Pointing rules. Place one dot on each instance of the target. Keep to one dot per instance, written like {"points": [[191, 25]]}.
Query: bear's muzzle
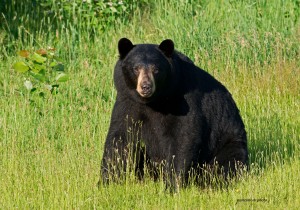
{"points": [[145, 84]]}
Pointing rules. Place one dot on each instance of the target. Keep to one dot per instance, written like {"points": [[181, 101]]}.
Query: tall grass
{"points": [[50, 154]]}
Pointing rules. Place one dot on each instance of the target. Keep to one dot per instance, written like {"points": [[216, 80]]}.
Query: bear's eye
{"points": [[155, 71], [136, 70]]}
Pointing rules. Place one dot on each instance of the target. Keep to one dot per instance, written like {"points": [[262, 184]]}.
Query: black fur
{"points": [[190, 121]]}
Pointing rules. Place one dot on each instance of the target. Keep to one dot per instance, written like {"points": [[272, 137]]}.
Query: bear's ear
{"points": [[167, 46], [124, 46]]}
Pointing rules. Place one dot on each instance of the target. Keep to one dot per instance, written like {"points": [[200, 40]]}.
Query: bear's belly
{"points": [[169, 138]]}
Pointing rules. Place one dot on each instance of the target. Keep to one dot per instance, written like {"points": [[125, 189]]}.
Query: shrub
{"points": [[43, 71]]}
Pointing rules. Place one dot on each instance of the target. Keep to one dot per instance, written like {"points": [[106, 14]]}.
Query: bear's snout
{"points": [[146, 87], [145, 84]]}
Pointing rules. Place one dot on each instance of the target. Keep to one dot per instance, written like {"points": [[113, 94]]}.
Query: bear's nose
{"points": [[146, 87]]}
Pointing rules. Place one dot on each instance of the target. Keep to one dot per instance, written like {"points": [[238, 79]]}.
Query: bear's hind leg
{"points": [[230, 160]]}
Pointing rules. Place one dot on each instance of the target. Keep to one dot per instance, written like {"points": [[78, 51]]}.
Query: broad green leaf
{"points": [[24, 53], [52, 64], [59, 67], [38, 58], [38, 77], [21, 67], [62, 77], [38, 67], [30, 64], [42, 72]]}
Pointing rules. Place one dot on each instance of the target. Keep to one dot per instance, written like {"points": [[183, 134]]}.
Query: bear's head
{"points": [[146, 68]]}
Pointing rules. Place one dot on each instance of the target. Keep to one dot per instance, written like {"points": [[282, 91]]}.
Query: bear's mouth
{"points": [[145, 90], [146, 94]]}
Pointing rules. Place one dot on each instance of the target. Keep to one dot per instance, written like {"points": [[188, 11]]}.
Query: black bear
{"points": [[172, 114]]}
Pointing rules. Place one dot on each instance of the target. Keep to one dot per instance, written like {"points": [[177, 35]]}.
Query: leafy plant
{"points": [[95, 13], [43, 70]]}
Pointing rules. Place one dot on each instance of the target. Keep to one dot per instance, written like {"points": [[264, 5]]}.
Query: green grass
{"points": [[50, 153]]}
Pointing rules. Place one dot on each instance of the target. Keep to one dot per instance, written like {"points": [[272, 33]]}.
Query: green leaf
{"points": [[62, 78], [38, 58], [38, 77], [21, 67], [59, 67], [52, 64], [38, 67], [42, 72]]}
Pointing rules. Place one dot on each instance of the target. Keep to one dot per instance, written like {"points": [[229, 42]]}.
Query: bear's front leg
{"points": [[122, 150], [175, 171], [119, 158], [178, 164], [114, 159], [171, 176]]}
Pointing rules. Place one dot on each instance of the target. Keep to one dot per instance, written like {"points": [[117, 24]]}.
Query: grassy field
{"points": [[50, 152]]}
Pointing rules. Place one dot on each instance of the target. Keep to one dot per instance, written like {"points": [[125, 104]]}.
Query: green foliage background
{"points": [[50, 150]]}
